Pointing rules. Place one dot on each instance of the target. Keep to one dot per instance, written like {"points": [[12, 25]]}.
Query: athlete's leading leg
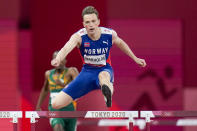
{"points": [[106, 86]]}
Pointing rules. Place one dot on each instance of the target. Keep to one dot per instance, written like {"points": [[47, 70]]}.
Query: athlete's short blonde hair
{"points": [[90, 10]]}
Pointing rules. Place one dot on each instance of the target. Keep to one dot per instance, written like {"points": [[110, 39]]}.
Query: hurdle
{"points": [[130, 115], [140, 123], [133, 118], [12, 114], [168, 114]]}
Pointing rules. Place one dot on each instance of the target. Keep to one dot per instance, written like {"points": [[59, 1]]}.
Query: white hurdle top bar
{"points": [[154, 114], [82, 114]]}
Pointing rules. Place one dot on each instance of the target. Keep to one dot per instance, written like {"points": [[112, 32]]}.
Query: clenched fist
{"points": [[55, 62]]}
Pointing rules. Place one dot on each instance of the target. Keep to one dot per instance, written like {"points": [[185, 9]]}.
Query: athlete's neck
{"points": [[59, 70], [96, 35]]}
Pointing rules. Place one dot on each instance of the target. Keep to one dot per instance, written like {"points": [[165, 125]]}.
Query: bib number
{"points": [[96, 60]]}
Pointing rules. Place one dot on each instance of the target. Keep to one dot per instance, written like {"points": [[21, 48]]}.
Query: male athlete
{"points": [[94, 43], [55, 80]]}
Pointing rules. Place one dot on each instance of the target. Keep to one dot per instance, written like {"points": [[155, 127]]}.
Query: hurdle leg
{"points": [[131, 122], [33, 122], [130, 126], [147, 115], [147, 122], [14, 126], [32, 115], [15, 117], [33, 126], [147, 126]]}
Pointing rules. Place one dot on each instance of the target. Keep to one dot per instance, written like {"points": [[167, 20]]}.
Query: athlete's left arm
{"points": [[73, 72], [125, 48]]}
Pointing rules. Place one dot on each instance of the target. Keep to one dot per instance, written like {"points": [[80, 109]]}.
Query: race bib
{"points": [[95, 59]]}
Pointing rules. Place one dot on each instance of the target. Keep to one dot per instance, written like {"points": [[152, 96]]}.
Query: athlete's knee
{"points": [[104, 75], [55, 104], [61, 100]]}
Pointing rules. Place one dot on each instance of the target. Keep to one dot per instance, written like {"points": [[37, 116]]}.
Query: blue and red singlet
{"points": [[96, 58]]}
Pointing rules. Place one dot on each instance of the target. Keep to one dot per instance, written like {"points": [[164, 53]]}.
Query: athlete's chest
{"points": [[97, 47]]}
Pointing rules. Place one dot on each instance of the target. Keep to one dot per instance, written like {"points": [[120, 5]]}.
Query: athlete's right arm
{"points": [[74, 40], [44, 92]]}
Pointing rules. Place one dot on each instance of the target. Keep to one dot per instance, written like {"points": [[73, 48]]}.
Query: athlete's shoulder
{"points": [[82, 32], [105, 30], [47, 73]]}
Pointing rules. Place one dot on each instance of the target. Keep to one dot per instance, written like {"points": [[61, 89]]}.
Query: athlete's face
{"points": [[91, 23]]}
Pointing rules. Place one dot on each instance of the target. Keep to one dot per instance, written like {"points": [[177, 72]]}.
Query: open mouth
{"points": [[91, 29]]}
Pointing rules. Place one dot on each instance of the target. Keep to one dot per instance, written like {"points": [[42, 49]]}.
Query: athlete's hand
{"points": [[140, 62], [55, 62]]}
